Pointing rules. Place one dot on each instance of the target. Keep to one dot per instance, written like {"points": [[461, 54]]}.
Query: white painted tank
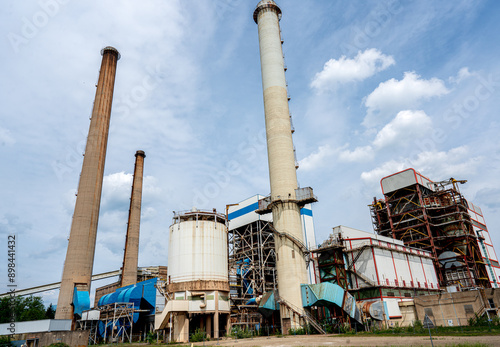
{"points": [[198, 247]]}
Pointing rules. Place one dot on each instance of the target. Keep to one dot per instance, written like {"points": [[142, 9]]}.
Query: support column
{"points": [[216, 315]]}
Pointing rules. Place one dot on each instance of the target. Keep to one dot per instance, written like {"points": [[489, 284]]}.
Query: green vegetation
{"points": [[198, 336], [477, 326], [239, 333], [25, 308], [150, 337], [307, 330], [5, 341], [58, 344]]}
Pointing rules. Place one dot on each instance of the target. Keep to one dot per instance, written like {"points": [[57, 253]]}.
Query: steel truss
{"points": [[119, 318], [436, 221], [252, 268]]}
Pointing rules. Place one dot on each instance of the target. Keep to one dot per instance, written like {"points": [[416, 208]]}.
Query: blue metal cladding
{"points": [[243, 211], [268, 304], [322, 294], [81, 301], [142, 294], [326, 294], [306, 212]]}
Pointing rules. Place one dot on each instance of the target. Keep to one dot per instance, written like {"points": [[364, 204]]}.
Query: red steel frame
{"points": [[433, 220]]}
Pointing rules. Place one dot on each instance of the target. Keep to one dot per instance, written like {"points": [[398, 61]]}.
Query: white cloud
{"points": [[5, 137], [437, 165], [393, 95], [362, 154], [383, 170], [316, 159], [344, 70], [463, 73], [406, 126]]}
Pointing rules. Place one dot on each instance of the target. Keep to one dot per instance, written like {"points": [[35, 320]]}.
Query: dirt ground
{"points": [[336, 340]]}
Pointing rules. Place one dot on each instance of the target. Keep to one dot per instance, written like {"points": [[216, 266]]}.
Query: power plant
{"points": [[258, 267]]}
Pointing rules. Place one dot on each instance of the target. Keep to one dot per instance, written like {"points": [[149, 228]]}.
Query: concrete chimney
{"points": [[291, 264], [77, 271], [131, 256]]}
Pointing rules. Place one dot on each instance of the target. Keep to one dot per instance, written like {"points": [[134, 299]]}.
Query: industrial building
{"points": [[434, 216], [252, 257], [258, 264], [378, 271], [197, 289]]}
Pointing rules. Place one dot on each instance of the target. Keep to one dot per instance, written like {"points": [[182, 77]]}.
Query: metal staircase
{"points": [[303, 314]]}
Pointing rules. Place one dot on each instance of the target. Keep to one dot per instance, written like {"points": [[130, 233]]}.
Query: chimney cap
{"points": [[141, 153], [266, 4], [112, 49]]}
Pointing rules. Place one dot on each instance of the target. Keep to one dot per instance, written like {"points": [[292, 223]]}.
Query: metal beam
{"points": [[51, 286]]}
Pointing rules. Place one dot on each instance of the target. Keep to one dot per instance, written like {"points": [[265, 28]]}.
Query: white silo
{"points": [[197, 285]]}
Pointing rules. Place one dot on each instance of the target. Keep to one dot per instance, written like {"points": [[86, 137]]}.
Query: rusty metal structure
{"points": [[330, 266], [131, 254], [433, 216], [77, 271]]}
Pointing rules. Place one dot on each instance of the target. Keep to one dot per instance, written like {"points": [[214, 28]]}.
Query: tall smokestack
{"points": [[291, 265], [77, 271], [131, 256]]}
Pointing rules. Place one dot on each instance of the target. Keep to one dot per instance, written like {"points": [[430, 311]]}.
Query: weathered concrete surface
{"points": [[290, 262], [131, 254], [80, 254]]}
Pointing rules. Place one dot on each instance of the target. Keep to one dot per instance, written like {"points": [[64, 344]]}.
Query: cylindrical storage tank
{"points": [[198, 247]]}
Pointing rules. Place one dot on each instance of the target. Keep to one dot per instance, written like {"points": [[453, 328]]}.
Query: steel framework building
{"points": [[374, 269], [434, 216], [252, 256], [252, 264]]}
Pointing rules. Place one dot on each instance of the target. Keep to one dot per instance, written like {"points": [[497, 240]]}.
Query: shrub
{"points": [[239, 333], [150, 337], [198, 336]]}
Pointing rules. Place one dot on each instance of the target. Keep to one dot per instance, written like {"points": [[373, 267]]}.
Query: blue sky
{"points": [[375, 86]]}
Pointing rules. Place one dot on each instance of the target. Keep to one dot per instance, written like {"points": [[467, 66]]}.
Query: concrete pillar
{"points": [[228, 324], [181, 328], [208, 326], [216, 315], [291, 264], [131, 255], [80, 254]]}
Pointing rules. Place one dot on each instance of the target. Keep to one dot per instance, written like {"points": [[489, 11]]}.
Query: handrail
{"points": [[304, 314]]}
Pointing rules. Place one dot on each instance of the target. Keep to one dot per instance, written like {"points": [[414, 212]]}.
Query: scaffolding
{"points": [[252, 269], [433, 216], [90, 321], [118, 319]]}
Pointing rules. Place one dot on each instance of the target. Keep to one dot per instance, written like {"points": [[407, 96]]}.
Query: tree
{"points": [[50, 313], [26, 309]]}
